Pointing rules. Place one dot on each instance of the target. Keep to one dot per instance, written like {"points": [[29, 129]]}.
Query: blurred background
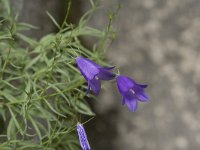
{"points": [[157, 43]]}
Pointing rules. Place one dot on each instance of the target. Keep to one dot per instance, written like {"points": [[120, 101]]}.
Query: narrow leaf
{"points": [[52, 18]]}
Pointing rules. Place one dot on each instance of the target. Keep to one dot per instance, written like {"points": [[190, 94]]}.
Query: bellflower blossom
{"points": [[83, 137], [131, 92], [94, 73]]}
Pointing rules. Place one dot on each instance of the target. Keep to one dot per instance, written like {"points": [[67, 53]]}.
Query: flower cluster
{"points": [[131, 91], [93, 73]]}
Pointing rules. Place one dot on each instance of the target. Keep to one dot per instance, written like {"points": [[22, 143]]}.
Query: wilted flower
{"points": [[94, 73], [83, 137], [131, 92]]}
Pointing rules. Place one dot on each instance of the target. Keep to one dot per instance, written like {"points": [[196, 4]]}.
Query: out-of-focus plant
{"points": [[42, 93]]}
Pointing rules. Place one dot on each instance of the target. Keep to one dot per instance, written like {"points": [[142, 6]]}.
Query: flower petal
{"points": [[95, 84], [124, 84], [87, 67], [123, 101], [140, 93], [109, 68], [131, 103], [104, 74], [88, 89], [143, 97], [89, 61], [142, 85], [130, 100]]}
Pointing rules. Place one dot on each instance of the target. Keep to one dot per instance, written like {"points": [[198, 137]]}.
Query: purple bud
{"points": [[83, 137]]}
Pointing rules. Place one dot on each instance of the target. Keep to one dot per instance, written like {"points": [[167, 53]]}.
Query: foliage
{"points": [[42, 94]]}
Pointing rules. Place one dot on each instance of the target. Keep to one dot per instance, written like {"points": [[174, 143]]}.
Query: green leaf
{"points": [[32, 62], [52, 18], [25, 26], [7, 6], [83, 108], [59, 91], [35, 126], [27, 39], [8, 96], [56, 112], [11, 130], [15, 121], [10, 85]]}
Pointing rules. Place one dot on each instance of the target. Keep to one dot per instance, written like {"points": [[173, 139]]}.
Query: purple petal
{"points": [[105, 74], [89, 61], [129, 95], [140, 93], [124, 84], [131, 103], [142, 85], [88, 89], [143, 97], [87, 67], [95, 84], [123, 101], [130, 100], [109, 68]]}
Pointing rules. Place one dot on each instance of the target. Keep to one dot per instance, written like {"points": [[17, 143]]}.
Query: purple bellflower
{"points": [[94, 73], [131, 92], [83, 137]]}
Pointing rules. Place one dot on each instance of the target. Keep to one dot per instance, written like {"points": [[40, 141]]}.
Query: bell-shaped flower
{"points": [[94, 73], [131, 92]]}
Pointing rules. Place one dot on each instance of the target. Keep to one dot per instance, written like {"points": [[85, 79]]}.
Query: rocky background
{"points": [[158, 43]]}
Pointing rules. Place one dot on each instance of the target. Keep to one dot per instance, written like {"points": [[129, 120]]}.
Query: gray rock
{"points": [[158, 44]]}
